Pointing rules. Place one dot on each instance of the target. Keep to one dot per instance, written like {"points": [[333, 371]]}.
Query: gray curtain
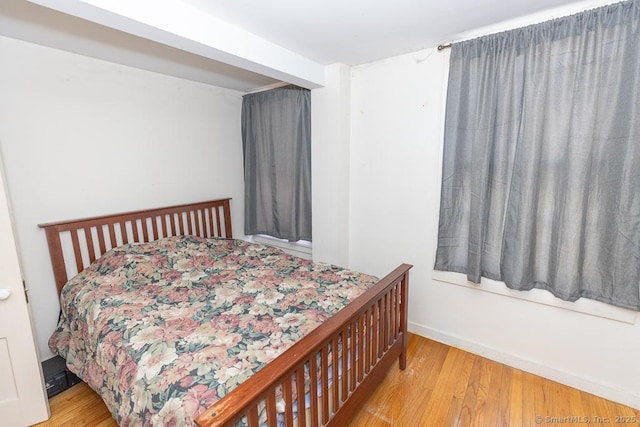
{"points": [[276, 138], [541, 168]]}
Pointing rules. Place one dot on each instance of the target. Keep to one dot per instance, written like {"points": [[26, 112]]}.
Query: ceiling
{"points": [[360, 31], [249, 44]]}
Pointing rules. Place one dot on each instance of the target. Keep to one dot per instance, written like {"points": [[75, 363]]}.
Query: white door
{"points": [[23, 400]]}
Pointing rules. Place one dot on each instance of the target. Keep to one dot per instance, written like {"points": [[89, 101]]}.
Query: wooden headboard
{"points": [[80, 242]]}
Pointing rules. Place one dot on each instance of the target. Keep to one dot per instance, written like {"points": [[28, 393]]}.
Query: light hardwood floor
{"points": [[442, 386]]}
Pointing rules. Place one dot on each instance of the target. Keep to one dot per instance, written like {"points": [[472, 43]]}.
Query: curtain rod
{"points": [[444, 46], [268, 87]]}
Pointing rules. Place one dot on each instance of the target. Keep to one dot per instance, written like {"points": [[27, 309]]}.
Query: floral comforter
{"points": [[162, 330]]}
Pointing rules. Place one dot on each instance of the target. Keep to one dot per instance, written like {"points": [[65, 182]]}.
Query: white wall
{"points": [[330, 135], [396, 143], [83, 137]]}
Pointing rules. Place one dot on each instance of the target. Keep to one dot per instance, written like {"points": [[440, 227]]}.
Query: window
{"points": [[542, 147], [276, 137]]}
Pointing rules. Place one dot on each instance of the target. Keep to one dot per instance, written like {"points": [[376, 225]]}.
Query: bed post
{"points": [[57, 257], [227, 219], [404, 289]]}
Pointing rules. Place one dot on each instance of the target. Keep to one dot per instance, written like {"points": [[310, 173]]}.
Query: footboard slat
{"points": [[301, 391], [272, 420], [324, 369], [361, 335], [288, 402], [355, 347], [367, 338], [346, 358], [335, 355], [344, 361], [252, 417], [375, 318], [313, 384]]}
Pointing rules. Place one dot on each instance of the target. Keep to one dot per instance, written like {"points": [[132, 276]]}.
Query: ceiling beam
{"points": [[184, 27]]}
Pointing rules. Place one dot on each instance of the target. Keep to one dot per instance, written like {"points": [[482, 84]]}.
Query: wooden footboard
{"points": [[374, 328]]}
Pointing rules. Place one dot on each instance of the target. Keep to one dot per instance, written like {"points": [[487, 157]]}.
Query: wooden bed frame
{"points": [[374, 325]]}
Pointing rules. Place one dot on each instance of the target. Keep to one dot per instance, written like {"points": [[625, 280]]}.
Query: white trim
{"points": [[626, 397], [583, 305]]}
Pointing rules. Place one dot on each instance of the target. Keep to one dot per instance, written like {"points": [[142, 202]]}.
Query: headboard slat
{"points": [[101, 242], [218, 221], [196, 215], [163, 222], [154, 227], [210, 221], [144, 223], [181, 227], [112, 236], [89, 239], [60, 257], [77, 252], [122, 233], [192, 226], [134, 229], [172, 224]]}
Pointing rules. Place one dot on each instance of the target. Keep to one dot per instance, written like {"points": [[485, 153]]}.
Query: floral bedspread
{"points": [[162, 330]]}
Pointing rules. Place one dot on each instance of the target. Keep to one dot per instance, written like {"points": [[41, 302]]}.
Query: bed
{"points": [[309, 354]]}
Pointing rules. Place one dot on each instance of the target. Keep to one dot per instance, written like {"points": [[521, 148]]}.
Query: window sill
{"points": [[583, 305], [302, 248]]}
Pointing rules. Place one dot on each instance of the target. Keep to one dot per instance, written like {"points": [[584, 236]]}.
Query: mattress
{"points": [[162, 330]]}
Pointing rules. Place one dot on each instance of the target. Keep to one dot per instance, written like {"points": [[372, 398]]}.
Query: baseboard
{"points": [[606, 391]]}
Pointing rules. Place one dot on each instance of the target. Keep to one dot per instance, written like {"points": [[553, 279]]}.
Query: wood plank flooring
{"points": [[446, 386], [442, 386]]}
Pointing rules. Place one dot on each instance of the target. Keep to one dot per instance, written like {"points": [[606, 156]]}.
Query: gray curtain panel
{"points": [[276, 138], [541, 168]]}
